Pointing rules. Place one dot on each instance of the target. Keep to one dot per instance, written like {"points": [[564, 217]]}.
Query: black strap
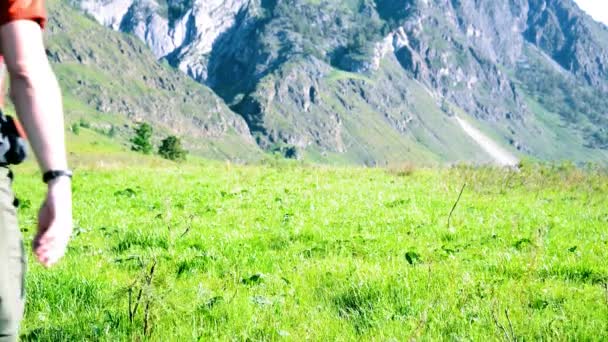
{"points": [[52, 174]]}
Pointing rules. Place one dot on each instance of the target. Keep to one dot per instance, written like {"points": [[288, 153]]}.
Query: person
{"points": [[35, 93]]}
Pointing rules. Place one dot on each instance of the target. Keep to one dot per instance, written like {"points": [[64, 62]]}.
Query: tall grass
{"points": [[285, 251]]}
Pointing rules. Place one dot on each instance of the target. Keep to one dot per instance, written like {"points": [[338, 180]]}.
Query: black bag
{"points": [[13, 149]]}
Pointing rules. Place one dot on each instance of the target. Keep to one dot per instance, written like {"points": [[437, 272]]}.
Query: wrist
{"points": [[58, 181]]}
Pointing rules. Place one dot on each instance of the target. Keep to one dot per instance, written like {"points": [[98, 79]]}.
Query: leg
{"points": [[12, 264]]}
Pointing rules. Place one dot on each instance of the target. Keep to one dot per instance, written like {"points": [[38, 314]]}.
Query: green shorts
{"points": [[12, 263]]}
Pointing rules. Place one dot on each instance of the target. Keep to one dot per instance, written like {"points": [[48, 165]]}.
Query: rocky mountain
{"points": [[111, 81], [381, 81]]}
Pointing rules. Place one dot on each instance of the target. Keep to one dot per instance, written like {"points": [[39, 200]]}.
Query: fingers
{"points": [[50, 258], [49, 253], [54, 225], [51, 246]]}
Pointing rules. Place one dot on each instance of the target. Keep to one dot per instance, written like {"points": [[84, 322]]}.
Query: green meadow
{"points": [[206, 250]]}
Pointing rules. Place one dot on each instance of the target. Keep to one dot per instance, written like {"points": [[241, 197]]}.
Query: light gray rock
{"points": [[188, 39]]}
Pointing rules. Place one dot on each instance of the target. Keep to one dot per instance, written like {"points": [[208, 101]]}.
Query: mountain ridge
{"points": [[301, 72]]}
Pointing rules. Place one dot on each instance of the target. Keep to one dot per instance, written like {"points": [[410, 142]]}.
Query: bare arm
{"points": [[37, 99], [35, 92]]}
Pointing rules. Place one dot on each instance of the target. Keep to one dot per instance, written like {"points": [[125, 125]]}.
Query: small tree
{"points": [[142, 139], [171, 148], [84, 123], [75, 128]]}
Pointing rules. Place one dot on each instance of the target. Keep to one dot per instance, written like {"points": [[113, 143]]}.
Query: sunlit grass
{"points": [[289, 251]]}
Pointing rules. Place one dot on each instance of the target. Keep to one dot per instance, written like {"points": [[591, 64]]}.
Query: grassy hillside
{"points": [[285, 251], [356, 118]]}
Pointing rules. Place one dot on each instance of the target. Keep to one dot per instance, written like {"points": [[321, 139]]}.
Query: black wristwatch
{"points": [[53, 174]]}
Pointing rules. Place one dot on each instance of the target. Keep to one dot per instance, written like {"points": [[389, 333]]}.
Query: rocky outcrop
{"points": [[571, 38], [183, 35]]}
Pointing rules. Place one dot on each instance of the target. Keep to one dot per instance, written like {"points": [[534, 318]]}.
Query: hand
{"points": [[54, 223]]}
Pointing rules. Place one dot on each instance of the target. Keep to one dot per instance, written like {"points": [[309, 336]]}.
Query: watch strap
{"points": [[53, 174]]}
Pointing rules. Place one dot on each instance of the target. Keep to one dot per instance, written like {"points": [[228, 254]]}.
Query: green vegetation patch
{"points": [[208, 250]]}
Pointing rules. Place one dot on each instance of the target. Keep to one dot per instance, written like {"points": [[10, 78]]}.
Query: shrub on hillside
{"points": [[171, 148], [75, 128], [84, 123], [142, 142]]}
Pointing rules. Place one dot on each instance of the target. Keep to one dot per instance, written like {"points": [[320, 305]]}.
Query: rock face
{"points": [[326, 77], [114, 80], [182, 31], [563, 32]]}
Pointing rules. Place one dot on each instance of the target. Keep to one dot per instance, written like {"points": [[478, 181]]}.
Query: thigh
{"points": [[12, 264]]}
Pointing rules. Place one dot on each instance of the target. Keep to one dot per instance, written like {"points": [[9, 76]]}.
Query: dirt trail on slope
{"points": [[500, 155]]}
